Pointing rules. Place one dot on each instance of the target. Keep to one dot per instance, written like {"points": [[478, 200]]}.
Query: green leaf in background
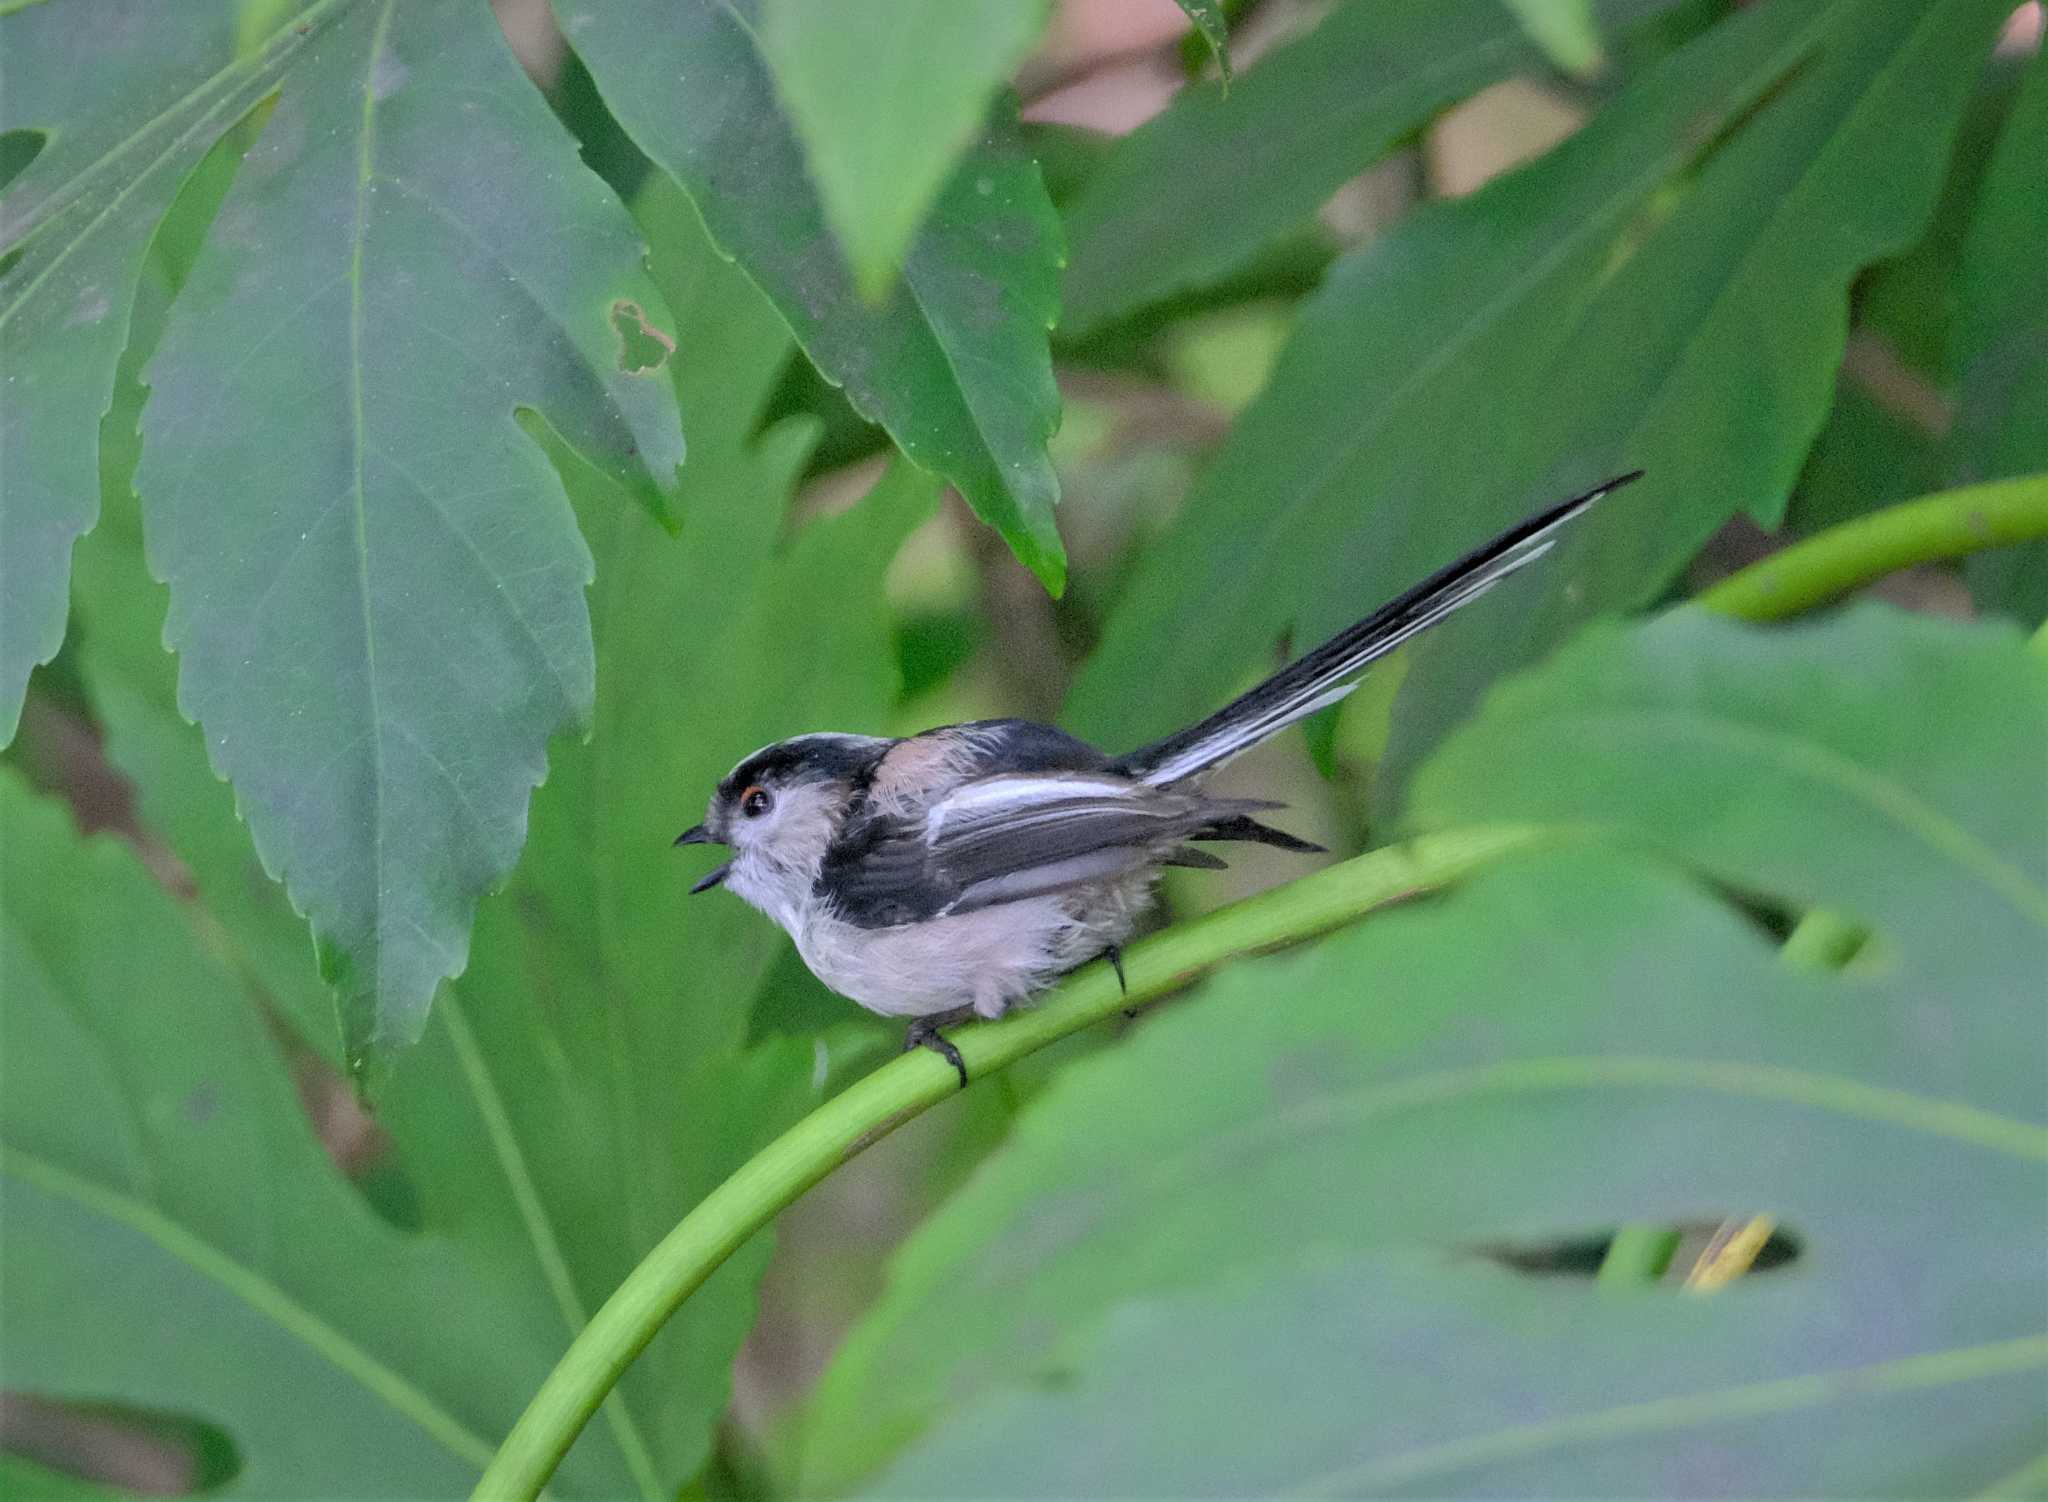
{"points": [[1306, 118], [2001, 339], [176, 1239], [589, 1080], [1885, 440], [1291, 1194], [1566, 30], [885, 96], [380, 623], [1212, 25], [117, 138], [1710, 357], [1315, 112], [1873, 452], [954, 363], [1665, 290], [1424, 333]]}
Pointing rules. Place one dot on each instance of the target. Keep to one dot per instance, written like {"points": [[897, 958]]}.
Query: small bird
{"points": [[955, 873]]}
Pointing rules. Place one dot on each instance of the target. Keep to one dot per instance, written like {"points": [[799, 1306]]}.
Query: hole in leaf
{"points": [[17, 149], [1649, 1255], [642, 346], [1565, 1257], [1772, 919], [139, 1450]]}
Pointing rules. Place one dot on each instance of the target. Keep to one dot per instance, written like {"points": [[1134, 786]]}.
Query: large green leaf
{"points": [[2001, 337], [954, 361], [1664, 290], [1456, 1412], [117, 137], [1249, 1252], [936, 63], [376, 585], [1730, 747], [1288, 132], [584, 1083], [177, 1241]]}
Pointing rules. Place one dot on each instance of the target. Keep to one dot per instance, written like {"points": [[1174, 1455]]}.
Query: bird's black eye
{"points": [[755, 801]]}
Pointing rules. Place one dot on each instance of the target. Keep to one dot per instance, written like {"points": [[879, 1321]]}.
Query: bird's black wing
{"points": [[1011, 836]]}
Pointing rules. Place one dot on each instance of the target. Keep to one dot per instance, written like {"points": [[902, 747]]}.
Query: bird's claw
{"points": [[924, 1033], [1115, 956]]}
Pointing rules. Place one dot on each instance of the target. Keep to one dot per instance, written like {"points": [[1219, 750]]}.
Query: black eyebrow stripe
{"points": [[824, 757]]}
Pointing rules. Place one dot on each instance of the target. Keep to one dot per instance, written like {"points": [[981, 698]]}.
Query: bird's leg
{"points": [[1115, 955], [924, 1033]]}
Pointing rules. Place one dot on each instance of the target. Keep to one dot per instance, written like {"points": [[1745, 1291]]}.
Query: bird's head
{"points": [[778, 811]]}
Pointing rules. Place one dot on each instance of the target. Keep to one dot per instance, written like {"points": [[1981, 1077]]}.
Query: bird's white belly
{"points": [[989, 960]]}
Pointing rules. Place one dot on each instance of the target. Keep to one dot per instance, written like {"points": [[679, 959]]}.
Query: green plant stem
{"points": [[1809, 573], [1638, 1255], [1824, 940], [1828, 565], [871, 1108]]}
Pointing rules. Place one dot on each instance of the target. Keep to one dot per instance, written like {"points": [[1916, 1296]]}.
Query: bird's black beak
{"points": [[697, 834]]}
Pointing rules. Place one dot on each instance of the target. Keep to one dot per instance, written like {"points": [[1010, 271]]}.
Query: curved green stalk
{"points": [[1809, 573], [871, 1108], [1828, 565]]}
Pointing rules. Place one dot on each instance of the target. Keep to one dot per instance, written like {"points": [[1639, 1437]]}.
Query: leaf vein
{"points": [[258, 1293], [1658, 1415]]}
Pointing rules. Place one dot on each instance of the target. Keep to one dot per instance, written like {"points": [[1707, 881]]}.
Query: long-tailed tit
{"points": [[957, 872]]}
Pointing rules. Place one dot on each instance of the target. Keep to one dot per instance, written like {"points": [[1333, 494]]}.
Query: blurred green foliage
{"points": [[346, 372]]}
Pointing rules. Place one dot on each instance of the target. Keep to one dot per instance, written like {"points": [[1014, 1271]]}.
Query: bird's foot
{"points": [[924, 1033]]}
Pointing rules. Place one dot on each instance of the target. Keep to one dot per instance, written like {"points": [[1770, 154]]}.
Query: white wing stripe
{"points": [[997, 796]]}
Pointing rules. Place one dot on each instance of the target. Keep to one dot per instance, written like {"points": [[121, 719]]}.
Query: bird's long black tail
{"points": [[1327, 674]]}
